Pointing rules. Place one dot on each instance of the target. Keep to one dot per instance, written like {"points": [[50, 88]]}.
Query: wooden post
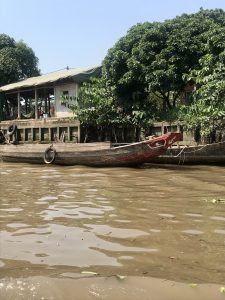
{"points": [[19, 108], [40, 134], [68, 134], [55, 107], [45, 98], [78, 133], [58, 133], [32, 134], [36, 103], [48, 105], [49, 134]]}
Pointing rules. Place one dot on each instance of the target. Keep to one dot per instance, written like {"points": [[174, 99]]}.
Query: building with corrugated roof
{"points": [[39, 102]]}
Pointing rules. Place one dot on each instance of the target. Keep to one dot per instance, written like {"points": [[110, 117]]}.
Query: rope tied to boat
{"points": [[188, 152]]}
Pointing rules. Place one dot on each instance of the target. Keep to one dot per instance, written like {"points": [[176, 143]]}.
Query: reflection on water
{"points": [[152, 221]]}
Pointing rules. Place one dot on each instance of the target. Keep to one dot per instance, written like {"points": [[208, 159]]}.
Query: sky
{"points": [[78, 33]]}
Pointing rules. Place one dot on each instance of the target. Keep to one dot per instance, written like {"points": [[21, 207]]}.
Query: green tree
{"points": [[123, 73], [28, 62], [153, 57], [95, 106], [9, 66], [17, 60], [98, 108], [146, 71], [207, 112]]}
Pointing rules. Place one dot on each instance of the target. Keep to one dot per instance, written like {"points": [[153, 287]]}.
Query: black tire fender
{"points": [[49, 155], [11, 129]]}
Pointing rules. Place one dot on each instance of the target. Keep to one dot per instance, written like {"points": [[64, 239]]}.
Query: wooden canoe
{"points": [[89, 154], [213, 154]]}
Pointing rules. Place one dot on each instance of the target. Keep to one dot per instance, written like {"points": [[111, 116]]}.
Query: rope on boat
{"points": [[184, 153]]}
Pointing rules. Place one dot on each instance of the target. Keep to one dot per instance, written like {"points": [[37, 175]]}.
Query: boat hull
{"points": [[210, 154], [93, 154]]}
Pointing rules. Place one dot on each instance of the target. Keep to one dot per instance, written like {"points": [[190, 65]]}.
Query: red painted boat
{"points": [[89, 154]]}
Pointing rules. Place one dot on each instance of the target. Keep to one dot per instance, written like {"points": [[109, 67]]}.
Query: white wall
{"points": [[60, 110]]}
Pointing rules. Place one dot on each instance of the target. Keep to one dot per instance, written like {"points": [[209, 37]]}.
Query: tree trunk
{"points": [[137, 134], [167, 102]]}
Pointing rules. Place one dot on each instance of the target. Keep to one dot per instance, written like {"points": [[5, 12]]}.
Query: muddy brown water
{"points": [[156, 232]]}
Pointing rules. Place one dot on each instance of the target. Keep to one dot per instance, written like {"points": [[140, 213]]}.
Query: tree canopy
{"points": [[154, 57], [207, 112], [98, 108], [148, 68], [17, 60]]}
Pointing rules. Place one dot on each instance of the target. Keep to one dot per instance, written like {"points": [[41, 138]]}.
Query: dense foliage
{"points": [[17, 60], [207, 113], [98, 108], [148, 69]]}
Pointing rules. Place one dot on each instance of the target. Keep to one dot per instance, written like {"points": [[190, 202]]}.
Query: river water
{"points": [[156, 232]]}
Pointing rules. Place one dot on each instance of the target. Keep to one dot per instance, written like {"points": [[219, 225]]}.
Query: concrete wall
{"points": [[160, 128], [67, 129], [62, 111], [45, 130]]}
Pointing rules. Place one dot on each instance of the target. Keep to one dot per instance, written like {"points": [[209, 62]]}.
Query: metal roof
{"points": [[76, 74]]}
